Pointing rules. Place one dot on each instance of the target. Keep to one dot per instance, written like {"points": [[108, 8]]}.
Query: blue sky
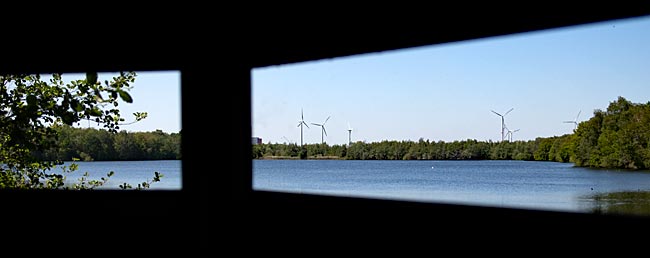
{"points": [[154, 92], [446, 92]]}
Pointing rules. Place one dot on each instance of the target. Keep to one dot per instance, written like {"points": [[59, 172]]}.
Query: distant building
{"points": [[256, 140]]}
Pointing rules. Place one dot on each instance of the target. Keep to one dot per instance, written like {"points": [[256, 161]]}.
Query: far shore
{"points": [[319, 157]]}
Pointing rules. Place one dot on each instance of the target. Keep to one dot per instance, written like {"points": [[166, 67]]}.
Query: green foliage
{"points": [[33, 109], [100, 145], [303, 153], [616, 138], [400, 150], [143, 185]]}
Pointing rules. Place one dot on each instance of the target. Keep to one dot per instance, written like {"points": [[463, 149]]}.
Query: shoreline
{"points": [[298, 158]]}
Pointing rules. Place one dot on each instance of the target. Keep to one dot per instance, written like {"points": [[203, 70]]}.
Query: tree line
{"points": [[90, 144], [618, 137]]}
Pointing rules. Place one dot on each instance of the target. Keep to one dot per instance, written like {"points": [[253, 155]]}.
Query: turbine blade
{"points": [[303, 122], [508, 111], [324, 130], [578, 115], [496, 113], [568, 122], [328, 118], [316, 124]]}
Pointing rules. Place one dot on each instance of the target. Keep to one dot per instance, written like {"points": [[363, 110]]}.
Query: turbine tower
{"points": [[322, 126], [300, 124], [503, 123], [349, 135], [575, 122]]}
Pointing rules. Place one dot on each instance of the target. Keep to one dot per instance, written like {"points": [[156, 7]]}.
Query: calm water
{"points": [[132, 172], [516, 184]]}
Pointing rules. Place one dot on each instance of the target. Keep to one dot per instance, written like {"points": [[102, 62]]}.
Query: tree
{"points": [[31, 108], [616, 138]]}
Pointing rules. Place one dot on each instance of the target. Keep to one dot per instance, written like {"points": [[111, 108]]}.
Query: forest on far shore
{"points": [[89, 144], [618, 137]]}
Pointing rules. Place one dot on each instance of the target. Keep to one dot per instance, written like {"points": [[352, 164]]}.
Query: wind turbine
{"points": [[322, 126], [575, 122], [300, 124], [513, 132], [503, 123], [349, 134], [510, 133]]}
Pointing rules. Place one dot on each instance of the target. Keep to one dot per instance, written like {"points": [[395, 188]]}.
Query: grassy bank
{"points": [[622, 203]]}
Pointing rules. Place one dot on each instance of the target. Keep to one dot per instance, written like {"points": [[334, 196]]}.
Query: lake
{"points": [[501, 183], [131, 172]]}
